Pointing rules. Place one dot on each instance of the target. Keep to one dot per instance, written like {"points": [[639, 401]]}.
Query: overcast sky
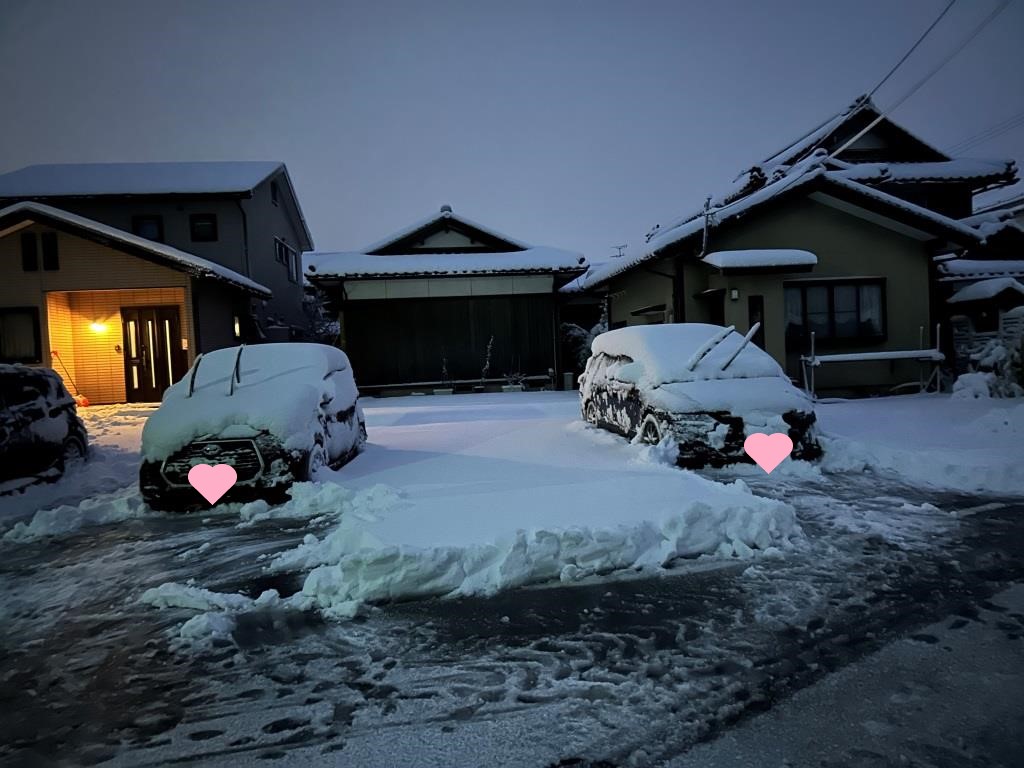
{"points": [[572, 124]]}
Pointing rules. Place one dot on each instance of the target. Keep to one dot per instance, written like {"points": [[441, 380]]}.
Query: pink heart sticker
{"points": [[212, 481], [768, 451]]}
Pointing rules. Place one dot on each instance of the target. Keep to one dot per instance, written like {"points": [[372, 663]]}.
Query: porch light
{"points": [[238, 328], [98, 327], [734, 294]]}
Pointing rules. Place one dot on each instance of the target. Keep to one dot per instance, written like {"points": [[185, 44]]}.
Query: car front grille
{"points": [[241, 454]]}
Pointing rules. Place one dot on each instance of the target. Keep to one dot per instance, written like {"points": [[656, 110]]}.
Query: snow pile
{"points": [[413, 548], [300, 371], [973, 386], [970, 445], [59, 521], [219, 609], [320, 503]]}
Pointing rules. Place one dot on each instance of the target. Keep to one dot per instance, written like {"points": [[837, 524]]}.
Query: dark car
{"points": [[40, 432], [277, 413], [702, 386]]}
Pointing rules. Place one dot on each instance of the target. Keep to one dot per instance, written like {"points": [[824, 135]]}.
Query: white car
{"points": [[274, 412], [703, 386]]}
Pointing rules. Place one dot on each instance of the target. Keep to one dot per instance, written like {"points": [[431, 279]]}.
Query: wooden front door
{"points": [[153, 358]]}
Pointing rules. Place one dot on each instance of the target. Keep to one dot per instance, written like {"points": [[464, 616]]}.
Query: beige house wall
{"points": [[641, 288], [92, 284], [846, 246]]}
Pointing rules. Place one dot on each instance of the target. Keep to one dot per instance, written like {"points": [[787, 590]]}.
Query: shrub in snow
{"points": [[1000, 373], [580, 339]]}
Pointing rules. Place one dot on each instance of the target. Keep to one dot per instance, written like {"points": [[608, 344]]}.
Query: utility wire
{"points": [[931, 73], [987, 134], [912, 48]]}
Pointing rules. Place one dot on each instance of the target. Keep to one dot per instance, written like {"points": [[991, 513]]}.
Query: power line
{"points": [[974, 33], [931, 73], [912, 48], [988, 133]]}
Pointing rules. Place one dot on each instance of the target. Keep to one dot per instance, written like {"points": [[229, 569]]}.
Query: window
{"points": [[51, 262], [841, 309], [29, 252], [274, 193], [19, 335], [149, 227], [281, 251], [203, 227], [290, 258]]}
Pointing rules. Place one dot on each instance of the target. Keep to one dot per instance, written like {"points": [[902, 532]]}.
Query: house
{"points": [[833, 235], [243, 215], [446, 302], [117, 315], [984, 290]]}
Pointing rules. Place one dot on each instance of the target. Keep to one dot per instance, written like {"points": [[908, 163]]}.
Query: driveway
{"points": [[633, 669]]}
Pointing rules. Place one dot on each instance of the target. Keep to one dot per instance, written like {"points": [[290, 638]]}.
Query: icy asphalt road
{"points": [[629, 671]]}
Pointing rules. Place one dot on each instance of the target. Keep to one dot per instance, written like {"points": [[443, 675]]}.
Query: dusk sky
{"points": [[572, 124]]}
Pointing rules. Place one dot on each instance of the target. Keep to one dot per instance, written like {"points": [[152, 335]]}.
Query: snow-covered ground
{"points": [[632, 665]]}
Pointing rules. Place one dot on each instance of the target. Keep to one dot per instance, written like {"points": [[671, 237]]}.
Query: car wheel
{"points": [[650, 430], [74, 451], [315, 461], [590, 412]]}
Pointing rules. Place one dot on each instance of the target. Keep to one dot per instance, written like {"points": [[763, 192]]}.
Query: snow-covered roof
{"points": [[961, 169], [445, 214], [986, 289], [817, 168], [1014, 204], [172, 257], [815, 137], [67, 179], [768, 257], [361, 265], [969, 269]]}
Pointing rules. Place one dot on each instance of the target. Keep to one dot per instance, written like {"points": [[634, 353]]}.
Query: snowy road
{"points": [[633, 670]]}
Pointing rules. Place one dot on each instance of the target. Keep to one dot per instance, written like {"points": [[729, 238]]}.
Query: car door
{"points": [[27, 452]]}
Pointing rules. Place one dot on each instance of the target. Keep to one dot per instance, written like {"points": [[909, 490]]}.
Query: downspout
{"points": [[245, 236]]}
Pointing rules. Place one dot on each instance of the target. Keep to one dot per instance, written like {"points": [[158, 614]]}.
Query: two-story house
{"points": [[117, 275]]}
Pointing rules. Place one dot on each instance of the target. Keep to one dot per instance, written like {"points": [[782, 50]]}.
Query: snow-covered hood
{"points": [[281, 389], [768, 395]]}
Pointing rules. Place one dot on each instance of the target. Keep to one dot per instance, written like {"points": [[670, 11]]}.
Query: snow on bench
{"points": [[902, 354], [933, 356]]}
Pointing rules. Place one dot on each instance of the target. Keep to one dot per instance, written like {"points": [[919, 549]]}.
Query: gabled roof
{"points": [[19, 213], [843, 126], [93, 179], [399, 254], [534, 260], [814, 173], [235, 177], [445, 218]]}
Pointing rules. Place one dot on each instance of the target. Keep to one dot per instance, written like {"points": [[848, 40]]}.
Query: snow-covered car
{"points": [[40, 431], [703, 386], [275, 412]]}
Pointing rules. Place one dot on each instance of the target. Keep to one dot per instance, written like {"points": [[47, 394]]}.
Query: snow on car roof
{"points": [[767, 257], [664, 353], [280, 389]]}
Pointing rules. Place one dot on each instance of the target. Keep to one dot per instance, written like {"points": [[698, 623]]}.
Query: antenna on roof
{"points": [[619, 250]]}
